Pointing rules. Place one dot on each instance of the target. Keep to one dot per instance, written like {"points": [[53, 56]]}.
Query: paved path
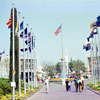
{"points": [[58, 92]]}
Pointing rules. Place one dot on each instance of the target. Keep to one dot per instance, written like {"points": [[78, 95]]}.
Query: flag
{"points": [[33, 43], [29, 39], [2, 52], [94, 31], [98, 21], [21, 25], [98, 18], [58, 30], [17, 28], [29, 35], [9, 23], [86, 46], [23, 50], [25, 33], [21, 35], [88, 39], [30, 49], [93, 25]]}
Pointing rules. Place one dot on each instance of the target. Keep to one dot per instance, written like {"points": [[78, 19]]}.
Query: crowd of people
{"points": [[78, 82]]}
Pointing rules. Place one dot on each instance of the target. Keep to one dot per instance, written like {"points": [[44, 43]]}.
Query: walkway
{"points": [[58, 92]]}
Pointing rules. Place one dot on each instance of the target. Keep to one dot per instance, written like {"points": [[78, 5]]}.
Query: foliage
{"points": [[71, 67], [5, 86], [58, 69], [77, 66], [49, 68], [95, 87], [5, 90]]}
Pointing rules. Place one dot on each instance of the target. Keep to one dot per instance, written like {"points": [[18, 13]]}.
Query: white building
{"points": [[4, 66]]}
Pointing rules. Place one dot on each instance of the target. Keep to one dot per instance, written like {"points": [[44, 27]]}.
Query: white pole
{"points": [[28, 59], [19, 58], [31, 60], [63, 79], [62, 44], [91, 57], [24, 58], [35, 61], [98, 56], [97, 60], [35, 66], [13, 75]]}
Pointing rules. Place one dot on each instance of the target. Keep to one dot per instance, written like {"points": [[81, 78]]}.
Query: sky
{"points": [[44, 17]]}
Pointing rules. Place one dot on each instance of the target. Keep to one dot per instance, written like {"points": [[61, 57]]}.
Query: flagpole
{"points": [[91, 57], [24, 58], [97, 60], [98, 55], [34, 66], [93, 61], [13, 75], [62, 59], [62, 43], [28, 59], [19, 58], [31, 60]]}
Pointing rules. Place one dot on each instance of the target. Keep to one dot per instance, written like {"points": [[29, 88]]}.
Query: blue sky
{"points": [[44, 17]]}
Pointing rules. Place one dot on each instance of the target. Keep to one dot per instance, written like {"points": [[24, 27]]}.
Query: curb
{"points": [[31, 96], [98, 93]]}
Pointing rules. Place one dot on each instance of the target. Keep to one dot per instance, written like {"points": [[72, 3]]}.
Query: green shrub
{"points": [[1, 92], [5, 86], [91, 85]]}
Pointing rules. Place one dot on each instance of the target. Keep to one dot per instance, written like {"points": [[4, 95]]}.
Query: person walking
{"points": [[80, 84], [76, 83], [67, 82], [82, 78], [47, 84]]}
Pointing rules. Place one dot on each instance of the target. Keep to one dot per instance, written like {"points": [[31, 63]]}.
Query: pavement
{"points": [[58, 92]]}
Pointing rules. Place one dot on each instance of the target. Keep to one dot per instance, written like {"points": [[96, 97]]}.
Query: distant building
{"points": [[4, 67], [92, 65]]}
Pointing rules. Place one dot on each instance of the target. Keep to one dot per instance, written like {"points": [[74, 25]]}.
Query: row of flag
{"points": [[23, 34], [93, 26]]}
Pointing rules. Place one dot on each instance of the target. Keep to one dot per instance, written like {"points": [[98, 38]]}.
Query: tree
{"points": [[77, 66], [49, 68], [58, 69], [71, 65]]}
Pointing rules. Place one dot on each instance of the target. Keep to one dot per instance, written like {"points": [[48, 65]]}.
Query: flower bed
{"points": [[95, 87], [23, 96], [59, 79]]}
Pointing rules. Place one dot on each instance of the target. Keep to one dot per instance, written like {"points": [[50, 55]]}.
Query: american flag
{"points": [[58, 30]]}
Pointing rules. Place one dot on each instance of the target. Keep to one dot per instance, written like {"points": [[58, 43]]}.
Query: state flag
{"points": [[9, 23]]}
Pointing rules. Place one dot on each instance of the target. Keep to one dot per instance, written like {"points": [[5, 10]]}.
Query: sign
{"points": [[13, 84]]}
